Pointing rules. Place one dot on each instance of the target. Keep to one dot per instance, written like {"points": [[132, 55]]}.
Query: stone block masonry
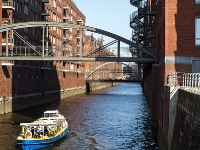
{"points": [[15, 103], [186, 133], [179, 127]]}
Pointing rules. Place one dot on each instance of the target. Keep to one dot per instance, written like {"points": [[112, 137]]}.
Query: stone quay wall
{"points": [[180, 126], [15, 103], [186, 134]]}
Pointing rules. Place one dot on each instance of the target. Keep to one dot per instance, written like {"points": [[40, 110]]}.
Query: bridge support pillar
{"points": [[88, 88], [118, 49]]}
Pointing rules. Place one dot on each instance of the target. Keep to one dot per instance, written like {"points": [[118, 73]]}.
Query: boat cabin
{"points": [[51, 113]]}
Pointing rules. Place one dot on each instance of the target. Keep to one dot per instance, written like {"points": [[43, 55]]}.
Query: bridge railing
{"points": [[186, 81], [28, 51], [23, 51]]}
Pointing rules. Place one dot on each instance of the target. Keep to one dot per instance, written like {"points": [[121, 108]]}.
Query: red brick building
{"points": [[28, 83], [170, 30], [94, 47]]}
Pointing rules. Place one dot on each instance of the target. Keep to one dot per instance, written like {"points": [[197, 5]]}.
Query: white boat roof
{"points": [[51, 111], [37, 123], [42, 122], [46, 120]]}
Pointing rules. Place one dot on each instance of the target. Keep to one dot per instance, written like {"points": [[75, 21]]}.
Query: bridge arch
{"points": [[70, 25], [100, 67]]}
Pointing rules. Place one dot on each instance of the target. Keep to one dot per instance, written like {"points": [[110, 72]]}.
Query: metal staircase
{"points": [[140, 23]]}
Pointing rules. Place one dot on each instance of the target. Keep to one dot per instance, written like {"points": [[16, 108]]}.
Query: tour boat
{"points": [[43, 132]]}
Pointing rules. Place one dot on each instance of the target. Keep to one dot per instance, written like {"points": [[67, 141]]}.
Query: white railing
{"points": [[175, 79], [186, 81]]}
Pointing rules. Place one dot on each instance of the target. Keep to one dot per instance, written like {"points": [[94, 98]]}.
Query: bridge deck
{"points": [[115, 80]]}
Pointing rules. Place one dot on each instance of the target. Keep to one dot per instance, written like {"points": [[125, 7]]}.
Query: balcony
{"points": [[66, 17], [8, 63], [65, 69], [7, 5], [45, 1], [10, 41], [79, 20], [65, 28], [66, 7], [6, 21]]}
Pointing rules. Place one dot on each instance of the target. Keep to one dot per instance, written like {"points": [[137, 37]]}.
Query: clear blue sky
{"points": [[109, 15]]}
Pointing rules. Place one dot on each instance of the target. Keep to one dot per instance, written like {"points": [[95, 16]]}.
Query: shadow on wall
{"points": [[30, 85]]}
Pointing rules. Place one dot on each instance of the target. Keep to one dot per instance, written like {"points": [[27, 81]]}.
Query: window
{"points": [[197, 31], [71, 67], [197, 1], [20, 8], [17, 6], [54, 16], [33, 16], [26, 8], [25, 38], [36, 4], [54, 3], [33, 31]]}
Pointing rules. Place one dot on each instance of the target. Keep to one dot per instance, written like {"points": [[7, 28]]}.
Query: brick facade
{"points": [[174, 26], [23, 80]]}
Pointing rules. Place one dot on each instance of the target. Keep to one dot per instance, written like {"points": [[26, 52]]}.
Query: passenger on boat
{"points": [[28, 133], [46, 131]]}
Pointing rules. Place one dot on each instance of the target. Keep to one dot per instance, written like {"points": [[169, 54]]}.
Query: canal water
{"points": [[115, 118]]}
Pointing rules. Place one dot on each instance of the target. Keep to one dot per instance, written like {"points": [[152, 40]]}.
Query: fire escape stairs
{"points": [[142, 32], [136, 3]]}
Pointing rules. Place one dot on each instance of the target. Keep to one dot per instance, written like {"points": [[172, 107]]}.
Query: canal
{"points": [[111, 119]]}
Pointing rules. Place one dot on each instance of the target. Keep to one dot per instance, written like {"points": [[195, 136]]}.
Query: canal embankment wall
{"points": [[180, 127], [186, 132], [15, 103]]}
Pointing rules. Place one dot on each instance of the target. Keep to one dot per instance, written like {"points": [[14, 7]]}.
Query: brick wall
{"points": [[174, 25]]}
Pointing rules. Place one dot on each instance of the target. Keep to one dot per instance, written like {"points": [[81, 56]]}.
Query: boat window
{"points": [[54, 115], [46, 115]]}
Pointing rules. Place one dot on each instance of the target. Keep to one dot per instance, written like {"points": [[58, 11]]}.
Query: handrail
{"points": [[186, 81]]}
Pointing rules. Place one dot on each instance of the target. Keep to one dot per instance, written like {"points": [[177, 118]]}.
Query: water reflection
{"points": [[113, 118]]}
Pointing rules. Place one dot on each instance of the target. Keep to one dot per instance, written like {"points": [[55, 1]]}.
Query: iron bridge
{"points": [[45, 53]]}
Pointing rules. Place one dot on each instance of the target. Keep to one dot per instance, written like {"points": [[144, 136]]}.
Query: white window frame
{"points": [[197, 37], [71, 67]]}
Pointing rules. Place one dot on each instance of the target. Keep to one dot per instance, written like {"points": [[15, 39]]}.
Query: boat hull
{"points": [[34, 144]]}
